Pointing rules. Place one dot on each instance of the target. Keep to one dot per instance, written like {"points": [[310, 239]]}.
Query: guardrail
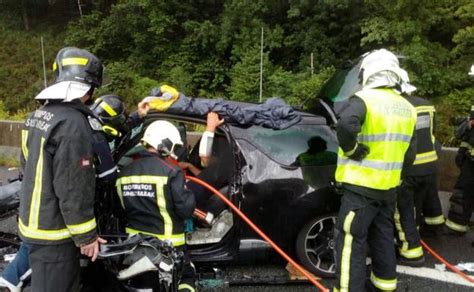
{"points": [[10, 133]]}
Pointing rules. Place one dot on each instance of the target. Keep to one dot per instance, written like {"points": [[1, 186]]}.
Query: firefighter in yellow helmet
{"points": [[375, 134]]}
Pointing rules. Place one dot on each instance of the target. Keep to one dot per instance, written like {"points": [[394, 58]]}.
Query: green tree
{"points": [[245, 76]]}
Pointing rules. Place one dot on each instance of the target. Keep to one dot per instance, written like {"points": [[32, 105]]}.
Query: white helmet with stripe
{"points": [[164, 137]]}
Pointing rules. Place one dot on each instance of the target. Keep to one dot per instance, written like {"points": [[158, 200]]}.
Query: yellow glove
{"points": [[162, 98]]}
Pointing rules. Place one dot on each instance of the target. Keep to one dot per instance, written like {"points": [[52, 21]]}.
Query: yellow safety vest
{"points": [[387, 130]]}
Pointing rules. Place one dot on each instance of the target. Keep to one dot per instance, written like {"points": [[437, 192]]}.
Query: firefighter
{"points": [[56, 217], [153, 194], [116, 123], [109, 123], [462, 201], [18, 271], [376, 138], [418, 193]]}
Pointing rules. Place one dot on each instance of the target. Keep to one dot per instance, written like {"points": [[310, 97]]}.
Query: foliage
{"points": [[245, 77], [9, 161], [211, 48], [450, 108], [21, 72], [127, 83], [3, 111]]}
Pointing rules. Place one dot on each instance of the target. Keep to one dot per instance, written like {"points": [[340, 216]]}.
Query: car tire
{"points": [[315, 246]]}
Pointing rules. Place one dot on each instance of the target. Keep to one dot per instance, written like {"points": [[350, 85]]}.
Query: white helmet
{"points": [[471, 73], [164, 137], [380, 68]]}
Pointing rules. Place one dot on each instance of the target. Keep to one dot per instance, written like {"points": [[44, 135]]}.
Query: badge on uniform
{"points": [[85, 162]]}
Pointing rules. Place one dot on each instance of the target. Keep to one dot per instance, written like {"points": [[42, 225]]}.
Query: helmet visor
{"points": [[177, 148], [106, 78]]}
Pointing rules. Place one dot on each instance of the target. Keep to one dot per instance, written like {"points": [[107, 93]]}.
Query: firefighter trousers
{"points": [[363, 221], [462, 200], [55, 267], [417, 202]]}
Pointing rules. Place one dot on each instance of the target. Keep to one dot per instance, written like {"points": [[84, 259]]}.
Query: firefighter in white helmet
{"points": [[153, 194], [375, 134]]}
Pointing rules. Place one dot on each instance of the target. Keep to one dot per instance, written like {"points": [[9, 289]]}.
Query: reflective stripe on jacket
{"points": [[387, 130], [426, 156], [155, 200], [57, 198]]}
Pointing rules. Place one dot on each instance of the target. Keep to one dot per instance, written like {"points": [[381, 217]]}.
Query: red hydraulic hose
{"points": [[260, 232], [445, 262]]}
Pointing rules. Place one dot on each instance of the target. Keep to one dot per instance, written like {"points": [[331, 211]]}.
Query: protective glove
{"points": [[360, 152]]}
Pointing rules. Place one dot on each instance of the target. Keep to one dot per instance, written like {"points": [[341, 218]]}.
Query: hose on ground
{"points": [[445, 262], [259, 232]]}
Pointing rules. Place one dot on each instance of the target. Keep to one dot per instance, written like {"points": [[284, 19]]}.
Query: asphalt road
{"points": [[455, 249]]}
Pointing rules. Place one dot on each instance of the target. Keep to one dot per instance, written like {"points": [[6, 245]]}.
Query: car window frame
{"points": [[308, 120]]}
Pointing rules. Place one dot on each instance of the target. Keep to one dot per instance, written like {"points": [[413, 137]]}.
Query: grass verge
{"points": [[9, 161]]}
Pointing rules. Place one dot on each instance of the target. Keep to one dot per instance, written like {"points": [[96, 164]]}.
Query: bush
{"points": [[450, 107], [127, 84]]}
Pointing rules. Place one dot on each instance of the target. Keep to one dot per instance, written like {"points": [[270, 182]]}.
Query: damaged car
{"points": [[280, 174], [282, 179]]}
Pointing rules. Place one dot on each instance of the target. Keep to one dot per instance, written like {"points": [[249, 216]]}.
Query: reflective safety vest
{"points": [[387, 130]]}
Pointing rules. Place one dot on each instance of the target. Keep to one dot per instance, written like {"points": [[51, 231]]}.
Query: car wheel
{"points": [[315, 246]]}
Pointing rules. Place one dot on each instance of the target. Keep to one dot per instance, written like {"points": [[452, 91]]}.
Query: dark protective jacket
{"points": [[426, 157], [57, 198], [465, 133], [154, 197], [349, 125], [106, 169]]}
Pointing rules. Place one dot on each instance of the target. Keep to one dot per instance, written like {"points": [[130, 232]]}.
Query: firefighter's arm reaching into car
{"points": [[184, 201], [143, 108], [190, 167], [205, 146]]}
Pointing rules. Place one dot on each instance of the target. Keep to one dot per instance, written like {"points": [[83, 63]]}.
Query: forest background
{"points": [[211, 48]]}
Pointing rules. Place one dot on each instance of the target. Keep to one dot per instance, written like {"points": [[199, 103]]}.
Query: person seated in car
{"points": [[153, 193], [214, 164], [316, 154]]}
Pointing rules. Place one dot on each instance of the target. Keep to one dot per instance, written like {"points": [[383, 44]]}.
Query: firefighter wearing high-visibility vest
{"points": [[153, 194], [57, 198], [376, 137], [418, 194]]}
